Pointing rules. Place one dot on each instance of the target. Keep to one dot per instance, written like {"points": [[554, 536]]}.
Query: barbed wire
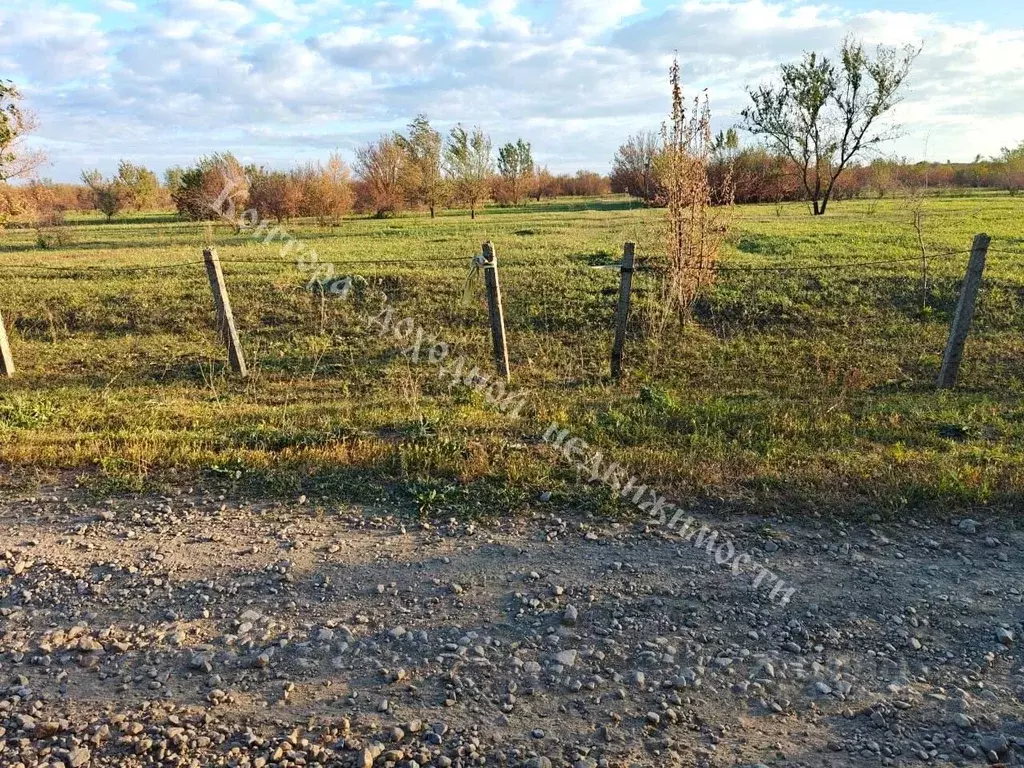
{"points": [[813, 267], [723, 268], [181, 265], [100, 268], [363, 262]]}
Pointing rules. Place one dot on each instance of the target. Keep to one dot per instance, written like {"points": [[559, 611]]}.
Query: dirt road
{"points": [[198, 631]]}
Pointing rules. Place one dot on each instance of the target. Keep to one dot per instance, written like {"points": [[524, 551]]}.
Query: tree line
{"points": [[416, 170], [759, 175]]}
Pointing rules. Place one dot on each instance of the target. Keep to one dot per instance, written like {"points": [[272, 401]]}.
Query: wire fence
{"points": [[832, 263]]}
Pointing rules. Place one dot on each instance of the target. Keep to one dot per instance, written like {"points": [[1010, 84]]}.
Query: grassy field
{"points": [[804, 391]]}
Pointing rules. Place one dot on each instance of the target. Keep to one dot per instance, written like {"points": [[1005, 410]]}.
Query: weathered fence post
{"points": [[964, 313], [622, 314], [6, 360], [494, 309], [225, 318]]}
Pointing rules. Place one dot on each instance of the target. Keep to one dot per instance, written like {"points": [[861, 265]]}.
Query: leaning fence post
{"points": [[622, 315], [497, 315], [6, 360], [225, 318], [964, 313]]}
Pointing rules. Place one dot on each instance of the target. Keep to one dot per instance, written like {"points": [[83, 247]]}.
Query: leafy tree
{"points": [[139, 184], [424, 146], [383, 169], [822, 114], [726, 144], [633, 167], [215, 187], [470, 166], [515, 164], [1012, 175], [109, 196], [172, 177], [15, 124]]}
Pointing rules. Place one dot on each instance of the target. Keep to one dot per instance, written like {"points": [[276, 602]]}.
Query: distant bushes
{"points": [[320, 191], [760, 176], [542, 184]]}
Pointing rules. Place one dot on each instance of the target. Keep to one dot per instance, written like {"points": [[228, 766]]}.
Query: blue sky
{"points": [[283, 81]]}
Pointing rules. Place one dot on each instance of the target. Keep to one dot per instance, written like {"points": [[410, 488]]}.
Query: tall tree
{"points": [[424, 146], [515, 164], [470, 166], [139, 185], [726, 144], [16, 161], [822, 115]]}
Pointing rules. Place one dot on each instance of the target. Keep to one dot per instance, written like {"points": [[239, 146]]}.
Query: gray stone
{"points": [[566, 658]]}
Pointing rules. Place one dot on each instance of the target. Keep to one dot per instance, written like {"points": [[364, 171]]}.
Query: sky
{"points": [[279, 82]]}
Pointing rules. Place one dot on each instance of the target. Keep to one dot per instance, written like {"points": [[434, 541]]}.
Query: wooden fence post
{"points": [[964, 313], [622, 315], [490, 267], [225, 318], [6, 360]]}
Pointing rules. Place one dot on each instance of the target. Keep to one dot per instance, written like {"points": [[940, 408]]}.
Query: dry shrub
{"points": [[544, 185], [326, 190], [51, 229], [53, 236], [386, 172], [698, 213], [274, 194], [583, 184]]}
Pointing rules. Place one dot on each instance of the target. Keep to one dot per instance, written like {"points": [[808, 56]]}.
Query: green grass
{"points": [[800, 391]]}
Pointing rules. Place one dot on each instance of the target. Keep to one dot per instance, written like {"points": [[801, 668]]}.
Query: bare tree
{"points": [[633, 166], [16, 161], [822, 115], [468, 157]]}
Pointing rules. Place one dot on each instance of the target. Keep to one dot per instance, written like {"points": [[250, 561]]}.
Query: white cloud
{"points": [[119, 6], [277, 79], [462, 16]]}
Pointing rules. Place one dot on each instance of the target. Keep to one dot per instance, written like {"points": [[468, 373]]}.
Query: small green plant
{"points": [[25, 411], [429, 499]]}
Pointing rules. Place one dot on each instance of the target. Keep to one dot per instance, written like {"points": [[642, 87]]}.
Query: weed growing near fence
{"points": [[697, 214]]}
